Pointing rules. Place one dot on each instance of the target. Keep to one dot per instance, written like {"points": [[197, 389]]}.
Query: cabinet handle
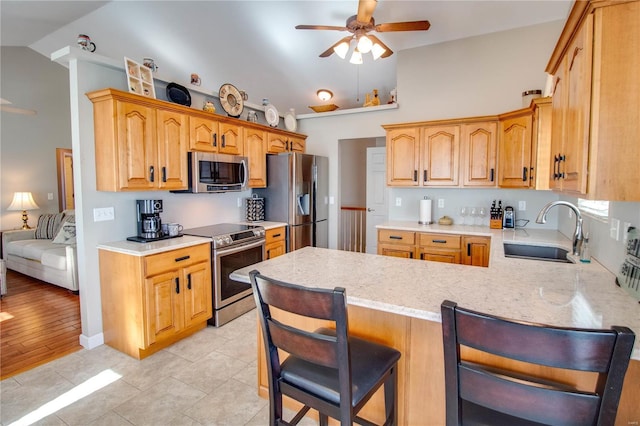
{"points": [[439, 241], [177, 285], [215, 139], [189, 281], [394, 237], [575, 53], [164, 174], [268, 254], [492, 174], [180, 259], [276, 235], [555, 86], [152, 172], [524, 174], [286, 145], [530, 173], [415, 175], [223, 140], [556, 167], [561, 173], [468, 249], [411, 255], [424, 175]]}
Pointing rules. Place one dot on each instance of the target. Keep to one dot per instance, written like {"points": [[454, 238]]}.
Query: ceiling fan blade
{"points": [[320, 27], [365, 10], [403, 26], [388, 52], [329, 51]]}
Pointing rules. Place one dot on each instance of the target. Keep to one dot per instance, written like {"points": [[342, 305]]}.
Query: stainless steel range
{"points": [[234, 246]]}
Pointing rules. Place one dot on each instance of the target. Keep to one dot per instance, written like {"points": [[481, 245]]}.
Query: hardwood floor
{"points": [[39, 322]]}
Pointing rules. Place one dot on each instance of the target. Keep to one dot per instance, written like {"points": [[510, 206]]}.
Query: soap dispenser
{"points": [[585, 254]]}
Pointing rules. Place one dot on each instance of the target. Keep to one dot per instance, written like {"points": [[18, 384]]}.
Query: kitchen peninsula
{"points": [[397, 302]]}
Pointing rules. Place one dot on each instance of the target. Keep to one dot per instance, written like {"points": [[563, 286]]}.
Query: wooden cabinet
{"points": [[275, 242], [439, 247], [211, 135], [396, 243], [596, 68], [475, 250], [479, 149], [435, 246], [282, 142], [541, 144], [255, 148], [139, 147], [515, 149], [402, 156], [150, 302]]}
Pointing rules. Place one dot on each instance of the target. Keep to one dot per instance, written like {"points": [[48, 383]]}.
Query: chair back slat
{"points": [[313, 347], [586, 350]]}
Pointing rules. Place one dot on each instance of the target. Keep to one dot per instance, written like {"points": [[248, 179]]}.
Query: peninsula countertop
{"points": [[562, 294]]}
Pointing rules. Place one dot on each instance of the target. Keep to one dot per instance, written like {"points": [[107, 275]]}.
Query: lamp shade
{"points": [[22, 201]]}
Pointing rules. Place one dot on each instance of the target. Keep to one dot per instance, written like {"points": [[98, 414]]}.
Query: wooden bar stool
{"points": [[484, 395], [327, 370]]}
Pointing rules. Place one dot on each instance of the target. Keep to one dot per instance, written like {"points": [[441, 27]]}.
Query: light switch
{"points": [[441, 203], [398, 202], [103, 214], [522, 206]]}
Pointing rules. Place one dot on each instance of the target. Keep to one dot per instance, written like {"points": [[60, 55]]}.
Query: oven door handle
{"points": [[235, 249]]}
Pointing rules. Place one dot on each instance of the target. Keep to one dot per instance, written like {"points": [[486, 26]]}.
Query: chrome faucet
{"points": [[577, 234]]}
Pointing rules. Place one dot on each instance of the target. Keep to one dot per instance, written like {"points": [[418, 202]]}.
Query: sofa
{"points": [[47, 252]]}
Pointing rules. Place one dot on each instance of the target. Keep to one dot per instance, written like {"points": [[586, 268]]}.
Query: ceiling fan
{"points": [[359, 26]]}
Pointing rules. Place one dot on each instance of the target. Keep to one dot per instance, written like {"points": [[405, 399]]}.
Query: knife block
{"points": [[495, 224]]}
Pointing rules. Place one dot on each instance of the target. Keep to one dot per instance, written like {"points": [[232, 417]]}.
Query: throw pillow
{"points": [[48, 225], [67, 233]]}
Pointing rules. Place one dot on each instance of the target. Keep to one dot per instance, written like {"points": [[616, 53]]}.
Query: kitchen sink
{"points": [[546, 253]]}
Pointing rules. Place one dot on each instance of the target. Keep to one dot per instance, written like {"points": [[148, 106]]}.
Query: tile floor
{"points": [[206, 379]]}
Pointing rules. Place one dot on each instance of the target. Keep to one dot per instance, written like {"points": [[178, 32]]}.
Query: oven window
{"points": [[215, 172], [231, 262]]}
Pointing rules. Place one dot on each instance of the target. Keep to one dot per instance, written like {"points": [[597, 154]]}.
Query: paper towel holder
{"points": [[425, 212]]}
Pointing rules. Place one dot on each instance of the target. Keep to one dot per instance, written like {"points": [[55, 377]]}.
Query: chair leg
{"points": [[390, 400], [324, 419]]}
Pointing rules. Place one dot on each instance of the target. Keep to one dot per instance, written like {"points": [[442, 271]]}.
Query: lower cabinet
{"points": [[275, 242], [150, 302], [437, 247]]}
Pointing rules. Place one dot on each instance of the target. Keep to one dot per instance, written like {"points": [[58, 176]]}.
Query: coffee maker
{"points": [[149, 223]]}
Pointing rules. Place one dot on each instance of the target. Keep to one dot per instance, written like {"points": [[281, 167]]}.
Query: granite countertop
{"points": [[265, 223], [145, 249], [561, 294]]}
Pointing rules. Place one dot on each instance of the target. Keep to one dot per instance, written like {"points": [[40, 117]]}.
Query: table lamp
{"points": [[23, 201]]}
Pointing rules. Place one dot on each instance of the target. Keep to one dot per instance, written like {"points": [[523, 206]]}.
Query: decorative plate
{"points": [[178, 94], [290, 121], [231, 100], [271, 114]]}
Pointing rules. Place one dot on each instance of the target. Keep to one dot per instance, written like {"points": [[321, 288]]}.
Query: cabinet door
{"points": [[136, 147], [402, 157], [558, 103], [275, 243], [440, 156], [577, 112], [444, 256], [396, 250], [275, 249], [164, 306], [172, 135], [276, 143], [479, 149], [230, 139], [297, 144], [541, 144], [515, 151], [198, 306], [203, 134], [255, 148], [475, 251]]}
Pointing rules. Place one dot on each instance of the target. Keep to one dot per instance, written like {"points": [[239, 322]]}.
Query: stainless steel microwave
{"points": [[216, 172]]}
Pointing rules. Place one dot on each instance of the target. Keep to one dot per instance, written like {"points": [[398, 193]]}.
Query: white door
{"points": [[377, 194]]}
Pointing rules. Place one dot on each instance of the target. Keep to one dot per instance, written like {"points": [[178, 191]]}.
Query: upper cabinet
{"points": [[596, 129], [479, 149], [142, 143], [515, 149]]}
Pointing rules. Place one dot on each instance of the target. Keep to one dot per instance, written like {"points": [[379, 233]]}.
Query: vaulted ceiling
{"points": [[254, 45]]}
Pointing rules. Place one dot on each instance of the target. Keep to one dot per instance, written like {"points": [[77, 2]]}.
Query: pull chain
{"points": [[357, 84]]}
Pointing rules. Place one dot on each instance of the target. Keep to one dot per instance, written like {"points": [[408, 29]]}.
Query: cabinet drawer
{"points": [[396, 237], [447, 241], [180, 258], [275, 234]]}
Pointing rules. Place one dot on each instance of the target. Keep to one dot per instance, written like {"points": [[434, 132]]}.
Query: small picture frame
{"points": [[139, 78]]}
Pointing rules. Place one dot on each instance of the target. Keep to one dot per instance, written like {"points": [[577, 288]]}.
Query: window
{"points": [[599, 209]]}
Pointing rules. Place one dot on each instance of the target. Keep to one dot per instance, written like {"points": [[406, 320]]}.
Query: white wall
{"points": [[28, 142]]}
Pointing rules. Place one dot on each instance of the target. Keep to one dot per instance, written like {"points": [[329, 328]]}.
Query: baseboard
{"points": [[92, 341]]}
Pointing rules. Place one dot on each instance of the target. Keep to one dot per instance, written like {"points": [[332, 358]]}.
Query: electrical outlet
{"points": [[614, 229], [332, 200], [441, 203], [398, 201], [103, 214], [50, 196], [239, 202], [522, 206]]}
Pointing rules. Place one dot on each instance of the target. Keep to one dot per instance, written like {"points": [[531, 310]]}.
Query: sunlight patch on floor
{"points": [[5, 316], [90, 386]]}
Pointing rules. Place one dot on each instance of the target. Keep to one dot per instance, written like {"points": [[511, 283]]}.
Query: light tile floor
{"points": [[209, 378]]}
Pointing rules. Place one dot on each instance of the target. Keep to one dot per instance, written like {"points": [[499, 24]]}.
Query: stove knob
{"points": [[219, 241]]}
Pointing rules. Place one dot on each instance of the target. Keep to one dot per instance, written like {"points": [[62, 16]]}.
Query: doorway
{"points": [[66, 195]]}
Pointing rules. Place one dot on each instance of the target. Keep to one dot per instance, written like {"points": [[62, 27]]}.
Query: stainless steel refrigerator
{"points": [[298, 194]]}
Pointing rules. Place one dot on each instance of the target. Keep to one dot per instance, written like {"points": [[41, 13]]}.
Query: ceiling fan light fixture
{"points": [[377, 51], [364, 44], [342, 49], [324, 94], [356, 57]]}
